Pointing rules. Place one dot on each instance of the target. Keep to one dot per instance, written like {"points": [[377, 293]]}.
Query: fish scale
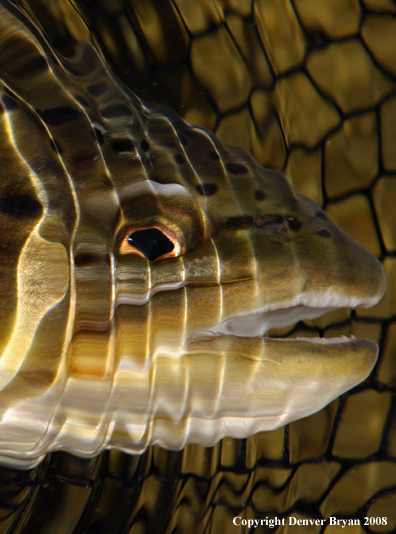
{"points": [[104, 348]]}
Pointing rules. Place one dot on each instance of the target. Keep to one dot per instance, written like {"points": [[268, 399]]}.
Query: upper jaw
{"points": [[279, 315], [362, 285]]}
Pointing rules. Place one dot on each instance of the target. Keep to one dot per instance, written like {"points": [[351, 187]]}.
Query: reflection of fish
{"points": [[142, 262]]}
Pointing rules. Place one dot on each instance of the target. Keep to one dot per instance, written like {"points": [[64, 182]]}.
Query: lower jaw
{"points": [[218, 386]]}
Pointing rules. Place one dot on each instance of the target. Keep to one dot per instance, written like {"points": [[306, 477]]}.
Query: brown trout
{"points": [[143, 261]]}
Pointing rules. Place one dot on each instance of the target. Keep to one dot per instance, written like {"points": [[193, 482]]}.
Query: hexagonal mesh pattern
{"points": [[309, 87]]}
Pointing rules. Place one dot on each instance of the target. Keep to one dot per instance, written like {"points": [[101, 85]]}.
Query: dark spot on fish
{"points": [[99, 136], [97, 90], [239, 222], [294, 224], [183, 139], [236, 168], [59, 116], [9, 103], [321, 215], [259, 195], [21, 206], [207, 189], [116, 110], [85, 259], [214, 155], [179, 159], [81, 101], [323, 232], [144, 144], [32, 68], [122, 145]]}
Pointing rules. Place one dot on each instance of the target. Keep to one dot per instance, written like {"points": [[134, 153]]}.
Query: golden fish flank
{"points": [[142, 262]]}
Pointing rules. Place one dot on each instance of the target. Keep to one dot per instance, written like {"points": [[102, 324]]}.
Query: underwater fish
{"points": [[143, 261]]}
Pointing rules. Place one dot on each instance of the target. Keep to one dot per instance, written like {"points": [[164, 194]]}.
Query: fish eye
{"points": [[151, 243]]}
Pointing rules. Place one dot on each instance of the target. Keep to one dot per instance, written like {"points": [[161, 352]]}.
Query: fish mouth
{"points": [[258, 323], [280, 380]]}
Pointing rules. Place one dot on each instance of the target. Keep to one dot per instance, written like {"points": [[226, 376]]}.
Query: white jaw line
{"points": [[259, 322], [320, 340]]}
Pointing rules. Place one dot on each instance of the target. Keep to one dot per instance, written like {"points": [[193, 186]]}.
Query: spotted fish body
{"points": [[142, 262]]}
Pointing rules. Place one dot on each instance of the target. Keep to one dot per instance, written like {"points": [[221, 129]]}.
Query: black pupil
{"points": [[152, 242]]}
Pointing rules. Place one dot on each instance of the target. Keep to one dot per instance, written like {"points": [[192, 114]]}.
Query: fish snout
{"points": [[367, 276], [360, 275]]}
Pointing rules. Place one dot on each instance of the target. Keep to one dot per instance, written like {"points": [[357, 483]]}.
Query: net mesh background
{"points": [[308, 87]]}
